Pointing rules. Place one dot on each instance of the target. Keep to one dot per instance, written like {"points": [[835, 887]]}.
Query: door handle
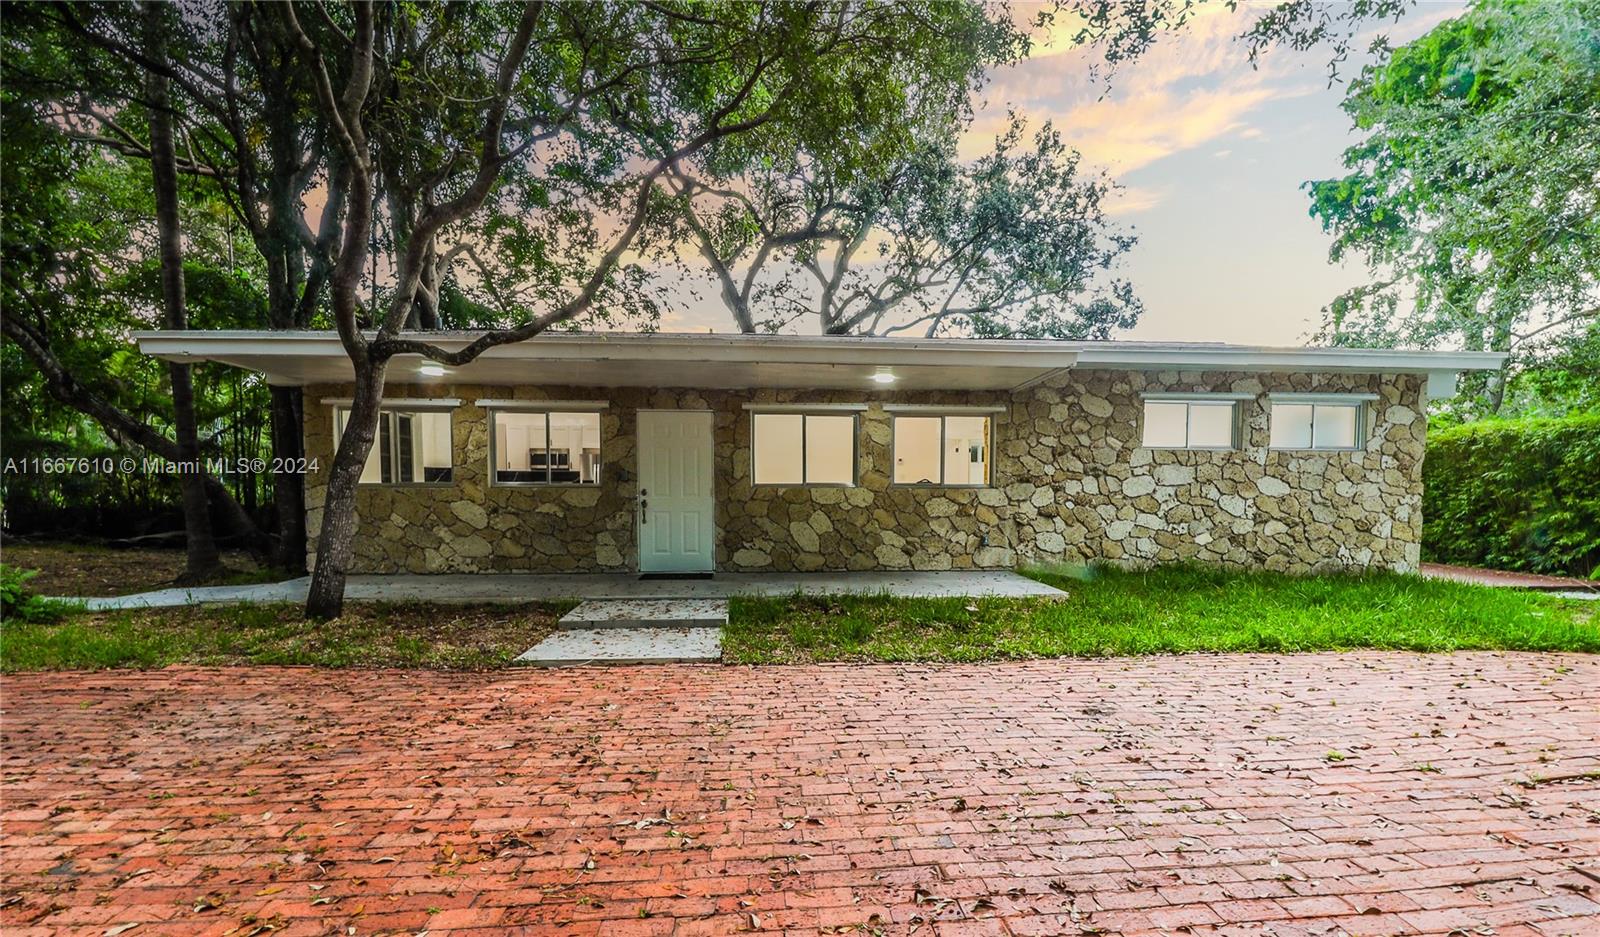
{"points": [[644, 506]]}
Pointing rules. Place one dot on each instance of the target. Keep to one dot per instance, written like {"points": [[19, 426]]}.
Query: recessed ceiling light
{"points": [[432, 370], [882, 376]]}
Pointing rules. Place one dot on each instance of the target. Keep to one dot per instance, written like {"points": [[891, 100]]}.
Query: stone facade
{"points": [[1070, 483]]}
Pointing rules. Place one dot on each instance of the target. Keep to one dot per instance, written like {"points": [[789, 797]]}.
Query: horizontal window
{"points": [[1302, 425], [803, 448], [413, 447], [941, 450], [1191, 424], [545, 448]]}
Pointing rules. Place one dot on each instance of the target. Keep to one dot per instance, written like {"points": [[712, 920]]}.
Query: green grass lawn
{"points": [[1170, 610], [441, 637], [1107, 612]]}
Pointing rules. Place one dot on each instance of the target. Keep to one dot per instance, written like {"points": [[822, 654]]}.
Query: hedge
{"points": [[1521, 494]]}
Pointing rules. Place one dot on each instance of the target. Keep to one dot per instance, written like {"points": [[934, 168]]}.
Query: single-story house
{"points": [[676, 452]]}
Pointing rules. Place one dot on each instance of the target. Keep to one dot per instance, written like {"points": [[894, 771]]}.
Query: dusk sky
{"points": [[1211, 154]]}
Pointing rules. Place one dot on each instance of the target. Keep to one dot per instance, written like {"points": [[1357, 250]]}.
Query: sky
{"points": [[1211, 155]]}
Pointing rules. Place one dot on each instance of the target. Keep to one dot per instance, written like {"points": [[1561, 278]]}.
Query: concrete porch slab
{"points": [[646, 613], [626, 646], [532, 587]]}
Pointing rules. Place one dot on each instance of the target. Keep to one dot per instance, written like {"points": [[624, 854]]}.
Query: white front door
{"points": [[676, 509]]}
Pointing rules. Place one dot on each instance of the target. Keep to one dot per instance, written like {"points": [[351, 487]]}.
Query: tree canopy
{"points": [[1474, 196], [1013, 243]]}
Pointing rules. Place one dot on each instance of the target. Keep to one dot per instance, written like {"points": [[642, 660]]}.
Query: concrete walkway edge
{"points": [[532, 587]]}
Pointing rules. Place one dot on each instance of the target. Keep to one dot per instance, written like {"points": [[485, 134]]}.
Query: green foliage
{"points": [[77, 225], [18, 603], [1558, 378], [1521, 494], [609, 90], [1167, 610], [460, 637], [1015, 243], [1474, 197]]}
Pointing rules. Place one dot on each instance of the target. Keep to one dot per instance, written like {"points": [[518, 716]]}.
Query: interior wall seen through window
{"points": [[948, 450], [412, 447], [546, 448]]}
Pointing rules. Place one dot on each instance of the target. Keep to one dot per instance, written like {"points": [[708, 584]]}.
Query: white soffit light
{"points": [[883, 376], [432, 370]]}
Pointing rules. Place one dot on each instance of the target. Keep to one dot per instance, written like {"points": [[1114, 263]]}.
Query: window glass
{"points": [[966, 450], [1211, 425], [803, 449], [1316, 426], [916, 449], [1291, 425], [546, 448], [830, 450], [1166, 424], [1333, 427], [1189, 424], [778, 440], [575, 448], [947, 450], [412, 447]]}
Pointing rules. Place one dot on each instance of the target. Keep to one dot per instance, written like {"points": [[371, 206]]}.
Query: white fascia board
{"points": [[805, 407], [835, 349], [1243, 358], [536, 406], [1322, 398], [401, 403], [708, 349]]}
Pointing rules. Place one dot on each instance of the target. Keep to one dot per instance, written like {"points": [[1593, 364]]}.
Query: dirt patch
{"points": [[70, 569], [1508, 578]]}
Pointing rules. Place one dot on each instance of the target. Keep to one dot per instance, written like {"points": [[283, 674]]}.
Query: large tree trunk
{"points": [[288, 485], [336, 541], [202, 559], [284, 293]]}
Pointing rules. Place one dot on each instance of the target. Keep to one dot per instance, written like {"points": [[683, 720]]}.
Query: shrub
{"points": [[18, 603], [1519, 494]]}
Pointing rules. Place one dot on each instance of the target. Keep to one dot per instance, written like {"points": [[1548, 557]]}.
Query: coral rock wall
{"points": [[1070, 483]]}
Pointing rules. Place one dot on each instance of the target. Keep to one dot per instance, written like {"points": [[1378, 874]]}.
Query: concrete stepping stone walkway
{"points": [[634, 631], [647, 613]]}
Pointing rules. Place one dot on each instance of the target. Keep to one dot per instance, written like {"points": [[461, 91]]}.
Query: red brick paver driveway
{"points": [[1364, 793]]}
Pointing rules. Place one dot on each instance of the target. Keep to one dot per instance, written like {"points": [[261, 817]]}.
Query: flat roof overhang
{"points": [[733, 361]]}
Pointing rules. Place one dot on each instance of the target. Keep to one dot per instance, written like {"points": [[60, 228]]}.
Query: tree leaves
{"points": [[1474, 198]]}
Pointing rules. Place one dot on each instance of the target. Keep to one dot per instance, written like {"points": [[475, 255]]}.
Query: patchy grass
{"points": [[444, 637], [84, 569], [1170, 610]]}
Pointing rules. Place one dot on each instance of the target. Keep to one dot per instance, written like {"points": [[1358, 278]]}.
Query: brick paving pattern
{"points": [[1364, 793]]}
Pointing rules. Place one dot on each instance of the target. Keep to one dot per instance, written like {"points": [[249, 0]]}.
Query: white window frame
{"points": [[546, 408], [1234, 401], [943, 414], [446, 405], [1361, 402], [851, 410]]}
